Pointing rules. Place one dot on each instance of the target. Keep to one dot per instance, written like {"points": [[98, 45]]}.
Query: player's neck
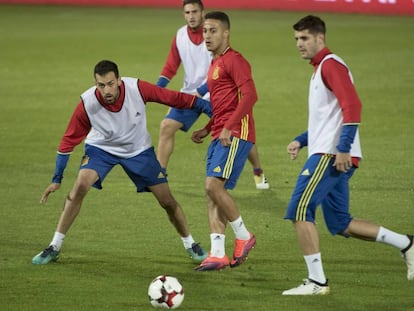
{"points": [[221, 51]]}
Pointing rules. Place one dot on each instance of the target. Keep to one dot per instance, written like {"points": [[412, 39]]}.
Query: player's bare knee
{"points": [[80, 190], [167, 128], [213, 186], [169, 205], [209, 192]]}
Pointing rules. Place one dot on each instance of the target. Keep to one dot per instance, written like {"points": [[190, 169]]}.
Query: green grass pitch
{"points": [[122, 240]]}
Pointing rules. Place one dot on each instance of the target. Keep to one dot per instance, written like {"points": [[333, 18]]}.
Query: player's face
{"points": [[193, 15], [108, 87], [216, 36], [309, 44]]}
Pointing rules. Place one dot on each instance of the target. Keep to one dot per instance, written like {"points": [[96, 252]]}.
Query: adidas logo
{"points": [[217, 169], [217, 238], [161, 175], [305, 172]]}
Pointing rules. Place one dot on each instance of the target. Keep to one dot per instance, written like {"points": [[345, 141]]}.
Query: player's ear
{"points": [[226, 33], [321, 37]]}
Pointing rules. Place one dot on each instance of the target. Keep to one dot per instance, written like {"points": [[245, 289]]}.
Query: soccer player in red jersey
{"points": [[232, 96]]}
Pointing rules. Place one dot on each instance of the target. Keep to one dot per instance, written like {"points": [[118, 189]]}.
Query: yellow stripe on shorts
{"points": [[310, 188], [228, 167]]}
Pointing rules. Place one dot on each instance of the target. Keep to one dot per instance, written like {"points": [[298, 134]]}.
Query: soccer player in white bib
{"points": [[188, 48], [111, 118], [334, 153]]}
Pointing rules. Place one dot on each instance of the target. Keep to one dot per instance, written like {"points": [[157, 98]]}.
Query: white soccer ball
{"points": [[165, 292]]}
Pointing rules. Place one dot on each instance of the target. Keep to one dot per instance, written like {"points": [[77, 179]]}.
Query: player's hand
{"points": [[293, 149], [343, 162], [225, 137], [198, 135], [52, 188]]}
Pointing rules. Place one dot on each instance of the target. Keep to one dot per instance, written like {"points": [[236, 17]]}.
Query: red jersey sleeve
{"points": [[336, 77], [153, 93], [209, 124], [240, 71], [173, 61], [76, 131]]}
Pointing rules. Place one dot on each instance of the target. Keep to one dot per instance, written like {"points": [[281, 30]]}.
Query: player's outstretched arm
{"points": [[52, 188], [61, 162]]}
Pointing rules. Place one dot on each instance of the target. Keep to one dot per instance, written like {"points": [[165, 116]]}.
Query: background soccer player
{"points": [[188, 48]]}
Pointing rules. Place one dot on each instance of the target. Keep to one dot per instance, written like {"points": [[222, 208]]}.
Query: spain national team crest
{"points": [[85, 160], [215, 75]]}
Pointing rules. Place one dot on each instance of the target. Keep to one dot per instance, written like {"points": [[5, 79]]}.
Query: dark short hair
{"points": [[312, 23], [218, 15], [105, 66], [199, 2]]}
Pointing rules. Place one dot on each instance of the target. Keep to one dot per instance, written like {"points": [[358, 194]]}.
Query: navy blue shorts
{"points": [[185, 116], [319, 183], [227, 162], [144, 169]]}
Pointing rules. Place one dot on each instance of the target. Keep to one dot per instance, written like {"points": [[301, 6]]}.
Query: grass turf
{"points": [[122, 240]]}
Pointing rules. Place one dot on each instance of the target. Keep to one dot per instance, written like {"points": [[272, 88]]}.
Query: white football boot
{"points": [[309, 287], [261, 182]]}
